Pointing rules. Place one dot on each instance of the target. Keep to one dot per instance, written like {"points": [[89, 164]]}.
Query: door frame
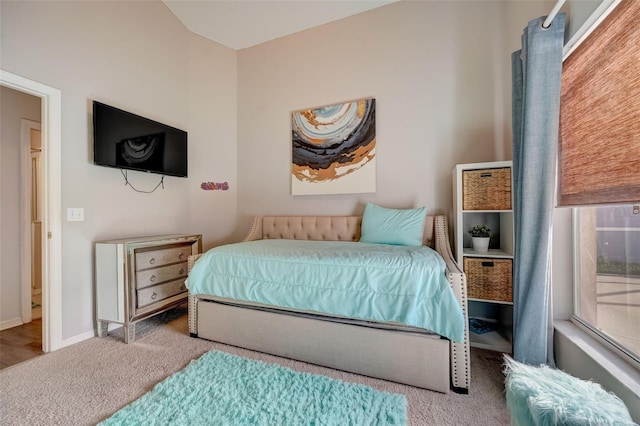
{"points": [[51, 124]]}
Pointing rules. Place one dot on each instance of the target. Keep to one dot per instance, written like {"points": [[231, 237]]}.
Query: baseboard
{"points": [[86, 336], [14, 322], [78, 338]]}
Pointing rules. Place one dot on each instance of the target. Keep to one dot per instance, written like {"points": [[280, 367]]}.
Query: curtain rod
{"points": [[553, 13]]}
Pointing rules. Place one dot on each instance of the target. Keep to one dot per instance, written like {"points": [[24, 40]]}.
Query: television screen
{"points": [[128, 141]]}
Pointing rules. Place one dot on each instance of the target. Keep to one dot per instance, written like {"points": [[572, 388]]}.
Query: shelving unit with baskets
{"points": [[483, 196]]}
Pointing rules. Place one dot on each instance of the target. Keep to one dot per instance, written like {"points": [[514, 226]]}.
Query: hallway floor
{"points": [[24, 342], [20, 343]]}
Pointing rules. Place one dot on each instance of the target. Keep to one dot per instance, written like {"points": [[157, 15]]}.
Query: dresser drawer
{"points": [[153, 276], [166, 256], [149, 295]]}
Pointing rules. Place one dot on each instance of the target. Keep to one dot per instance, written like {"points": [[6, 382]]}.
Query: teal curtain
{"points": [[537, 70]]}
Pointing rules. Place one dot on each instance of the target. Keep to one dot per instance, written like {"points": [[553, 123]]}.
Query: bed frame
{"points": [[403, 356]]}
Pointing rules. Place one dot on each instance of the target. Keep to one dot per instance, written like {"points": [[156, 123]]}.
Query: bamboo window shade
{"points": [[599, 143]]}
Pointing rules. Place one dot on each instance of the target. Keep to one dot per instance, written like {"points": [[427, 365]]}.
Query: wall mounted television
{"points": [[127, 141]]}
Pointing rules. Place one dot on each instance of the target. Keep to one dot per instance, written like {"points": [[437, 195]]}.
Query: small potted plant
{"points": [[480, 235]]}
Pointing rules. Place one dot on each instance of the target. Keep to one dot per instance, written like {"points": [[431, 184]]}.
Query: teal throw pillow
{"points": [[392, 226]]}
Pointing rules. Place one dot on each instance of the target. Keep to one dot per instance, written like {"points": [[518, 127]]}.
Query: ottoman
{"points": [[547, 396]]}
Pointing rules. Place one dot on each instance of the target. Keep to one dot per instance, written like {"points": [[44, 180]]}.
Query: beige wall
{"points": [[440, 72], [422, 61], [14, 106], [441, 76], [136, 56]]}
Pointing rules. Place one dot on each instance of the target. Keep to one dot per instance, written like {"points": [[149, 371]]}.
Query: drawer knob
{"points": [[183, 287], [152, 260], [152, 278], [181, 256], [489, 264], [483, 175], [154, 296], [181, 271]]}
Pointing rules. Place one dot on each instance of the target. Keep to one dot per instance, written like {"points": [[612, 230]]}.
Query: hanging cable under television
{"points": [[126, 182]]}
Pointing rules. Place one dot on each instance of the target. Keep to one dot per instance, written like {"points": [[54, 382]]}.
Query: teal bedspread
{"points": [[375, 282]]}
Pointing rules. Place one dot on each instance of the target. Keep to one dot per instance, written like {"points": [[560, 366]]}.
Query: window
{"points": [[607, 271]]}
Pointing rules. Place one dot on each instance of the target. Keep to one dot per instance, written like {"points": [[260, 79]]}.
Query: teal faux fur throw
{"points": [[544, 396]]}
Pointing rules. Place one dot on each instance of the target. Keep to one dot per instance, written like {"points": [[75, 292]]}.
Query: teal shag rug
{"points": [[224, 389]]}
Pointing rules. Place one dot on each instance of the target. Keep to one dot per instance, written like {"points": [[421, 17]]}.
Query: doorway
{"points": [[51, 249]]}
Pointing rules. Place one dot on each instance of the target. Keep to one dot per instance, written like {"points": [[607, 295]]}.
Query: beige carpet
{"points": [[87, 382]]}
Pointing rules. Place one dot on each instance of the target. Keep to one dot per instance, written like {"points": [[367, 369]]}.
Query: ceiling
{"points": [[244, 23]]}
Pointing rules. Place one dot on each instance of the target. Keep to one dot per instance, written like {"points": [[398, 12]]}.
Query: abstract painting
{"points": [[334, 149]]}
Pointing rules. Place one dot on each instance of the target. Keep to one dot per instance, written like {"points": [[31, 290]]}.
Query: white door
{"points": [[36, 222], [32, 237]]}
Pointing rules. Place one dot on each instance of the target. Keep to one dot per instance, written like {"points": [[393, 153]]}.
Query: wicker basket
{"points": [[486, 189], [489, 279]]}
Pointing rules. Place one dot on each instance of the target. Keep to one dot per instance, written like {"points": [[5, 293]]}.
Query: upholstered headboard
{"points": [[321, 228]]}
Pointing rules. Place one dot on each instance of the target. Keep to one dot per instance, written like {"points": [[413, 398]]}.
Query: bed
{"points": [[389, 350]]}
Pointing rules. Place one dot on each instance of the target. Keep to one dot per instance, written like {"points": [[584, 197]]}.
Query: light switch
{"points": [[75, 214]]}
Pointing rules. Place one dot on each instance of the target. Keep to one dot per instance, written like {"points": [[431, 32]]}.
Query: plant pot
{"points": [[480, 244]]}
